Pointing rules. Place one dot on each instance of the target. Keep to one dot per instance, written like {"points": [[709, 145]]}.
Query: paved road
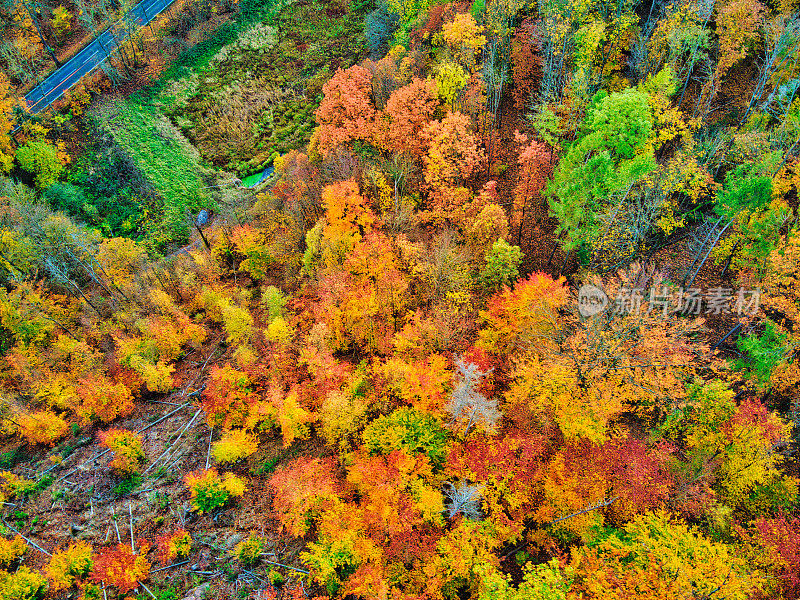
{"points": [[88, 59]]}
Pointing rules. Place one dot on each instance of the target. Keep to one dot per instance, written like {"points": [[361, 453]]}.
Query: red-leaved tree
{"points": [[781, 536], [121, 567]]}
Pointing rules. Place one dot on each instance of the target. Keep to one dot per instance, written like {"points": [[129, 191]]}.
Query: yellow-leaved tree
{"points": [[6, 147], [658, 557]]}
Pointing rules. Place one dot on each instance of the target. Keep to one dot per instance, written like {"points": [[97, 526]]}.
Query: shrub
{"points": [[175, 545], [42, 427], [761, 354], [11, 485], [249, 551], [11, 550], [157, 376], [41, 160], [61, 21], [127, 447], [161, 342], [70, 565], [409, 429], [65, 197], [91, 591], [259, 38], [228, 397], [111, 188], [233, 446], [210, 491], [22, 585]]}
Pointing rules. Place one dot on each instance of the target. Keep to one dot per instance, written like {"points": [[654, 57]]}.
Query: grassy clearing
{"points": [[234, 102], [167, 161], [250, 92]]}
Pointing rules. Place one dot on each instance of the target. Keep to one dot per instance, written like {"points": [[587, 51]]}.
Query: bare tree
{"points": [[463, 498], [782, 36], [467, 404]]}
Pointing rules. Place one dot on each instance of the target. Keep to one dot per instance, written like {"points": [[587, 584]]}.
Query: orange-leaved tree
{"points": [[127, 448], [407, 112], [424, 384], [101, 399], [453, 156], [348, 217], [346, 112], [175, 545], [42, 427], [302, 489], [364, 301], [523, 317], [228, 397]]}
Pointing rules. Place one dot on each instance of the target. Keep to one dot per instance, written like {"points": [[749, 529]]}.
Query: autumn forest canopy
{"points": [[403, 300]]}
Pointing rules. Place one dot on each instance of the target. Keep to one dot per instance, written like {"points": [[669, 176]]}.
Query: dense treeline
{"points": [[395, 391]]}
